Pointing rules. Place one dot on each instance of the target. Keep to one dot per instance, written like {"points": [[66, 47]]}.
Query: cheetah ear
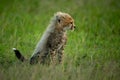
{"points": [[58, 19]]}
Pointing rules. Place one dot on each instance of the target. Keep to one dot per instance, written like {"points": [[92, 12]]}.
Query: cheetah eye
{"points": [[70, 22]]}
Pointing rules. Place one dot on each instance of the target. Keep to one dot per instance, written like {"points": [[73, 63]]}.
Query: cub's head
{"points": [[64, 21]]}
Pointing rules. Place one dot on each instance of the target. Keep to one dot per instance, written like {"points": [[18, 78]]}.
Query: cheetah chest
{"points": [[56, 40]]}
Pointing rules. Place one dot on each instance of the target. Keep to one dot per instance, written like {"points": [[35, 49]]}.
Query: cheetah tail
{"points": [[19, 55]]}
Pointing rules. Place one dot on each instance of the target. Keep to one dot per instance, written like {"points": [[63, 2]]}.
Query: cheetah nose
{"points": [[74, 26]]}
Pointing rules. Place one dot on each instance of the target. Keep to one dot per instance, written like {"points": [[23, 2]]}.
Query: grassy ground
{"points": [[92, 51]]}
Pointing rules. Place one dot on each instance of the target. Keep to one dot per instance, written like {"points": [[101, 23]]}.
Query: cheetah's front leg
{"points": [[53, 57], [60, 54]]}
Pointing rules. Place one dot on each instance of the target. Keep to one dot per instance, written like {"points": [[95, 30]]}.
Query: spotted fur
{"points": [[51, 46]]}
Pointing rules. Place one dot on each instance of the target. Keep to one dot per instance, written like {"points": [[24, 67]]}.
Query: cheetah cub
{"points": [[50, 48]]}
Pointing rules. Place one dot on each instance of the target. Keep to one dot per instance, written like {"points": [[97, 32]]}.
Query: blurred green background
{"points": [[92, 51]]}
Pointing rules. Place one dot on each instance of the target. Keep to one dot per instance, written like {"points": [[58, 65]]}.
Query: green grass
{"points": [[92, 51]]}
